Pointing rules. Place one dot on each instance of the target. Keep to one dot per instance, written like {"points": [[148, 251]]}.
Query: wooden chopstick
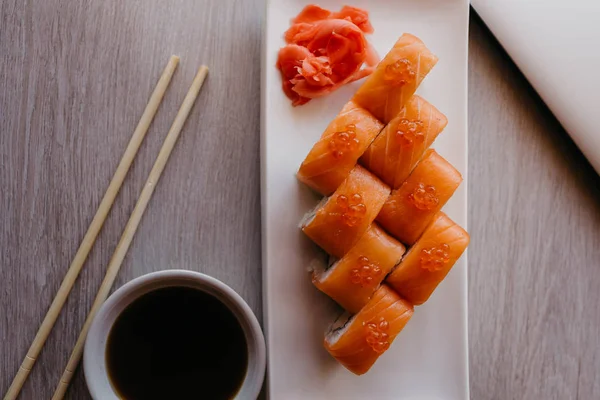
{"points": [[131, 227], [93, 230]]}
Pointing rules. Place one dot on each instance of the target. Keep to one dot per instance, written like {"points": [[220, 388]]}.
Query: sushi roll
{"points": [[338, 222], [396, 78], [352, 280], [336, 153], [412, 206], [358, 341], [396, 151], [428, 262]]}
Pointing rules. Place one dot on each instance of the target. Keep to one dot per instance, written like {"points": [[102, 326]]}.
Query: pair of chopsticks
{"points": [[97, 222]]}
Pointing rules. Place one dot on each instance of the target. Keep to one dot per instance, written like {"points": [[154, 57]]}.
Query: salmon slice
{"points": [[428, 262], [395, 152], [358, 341], [412, 206], [339, 221], [396, 78], [332, 158], [353, 279]]}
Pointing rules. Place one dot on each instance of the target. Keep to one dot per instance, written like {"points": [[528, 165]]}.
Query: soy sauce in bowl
{"points": [[177, 343]]}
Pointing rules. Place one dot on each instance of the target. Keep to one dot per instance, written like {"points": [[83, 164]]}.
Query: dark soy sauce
{"points": [[176, 343]]}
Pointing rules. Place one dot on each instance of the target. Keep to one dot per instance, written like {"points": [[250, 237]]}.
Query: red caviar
{"points": [[409, 131], [424, 197], [377, 337], [365, 273], [352, 209], [434, 258], [399, 73], [343, 142]]}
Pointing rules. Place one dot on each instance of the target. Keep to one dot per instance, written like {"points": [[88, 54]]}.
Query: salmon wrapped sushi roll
{"points": [[339, 221], [352, 280], [358, 341], [430, 259], [396, 78], [412, 206], [401, 144], [336, 153]]}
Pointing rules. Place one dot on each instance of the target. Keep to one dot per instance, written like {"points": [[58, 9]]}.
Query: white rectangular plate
{"points": [[428, 360]]}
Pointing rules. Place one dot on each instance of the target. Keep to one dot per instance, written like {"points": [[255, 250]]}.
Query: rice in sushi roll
{"points": [[352, 280], [339, 221], [358, 341]]}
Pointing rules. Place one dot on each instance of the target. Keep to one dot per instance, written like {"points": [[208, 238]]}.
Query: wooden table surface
{"points": [[74, 77]]}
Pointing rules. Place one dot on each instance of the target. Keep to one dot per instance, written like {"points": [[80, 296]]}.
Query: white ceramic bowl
{"points": [[94, 360]]}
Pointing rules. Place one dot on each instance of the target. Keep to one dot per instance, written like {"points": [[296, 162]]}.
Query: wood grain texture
{"points": [[534, 259], [74, 79]]}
